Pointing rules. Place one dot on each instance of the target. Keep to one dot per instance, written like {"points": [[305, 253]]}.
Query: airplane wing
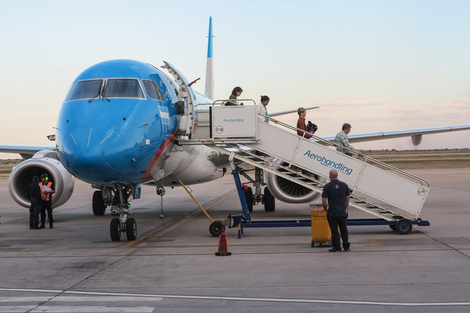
{"points": [[289, 111], [25, 151], [415, 134]]}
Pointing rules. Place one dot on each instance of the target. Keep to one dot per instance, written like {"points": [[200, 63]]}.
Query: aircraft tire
{"points": [[98, 204], [269, 201], [114, 229], [131, 229], [249, 199]]}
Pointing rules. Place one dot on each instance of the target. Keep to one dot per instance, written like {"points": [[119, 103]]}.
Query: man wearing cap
{"points": [[47, 189]]}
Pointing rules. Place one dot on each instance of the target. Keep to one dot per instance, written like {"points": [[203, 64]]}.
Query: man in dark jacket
{"points": [[335, 200], [34, 195]]}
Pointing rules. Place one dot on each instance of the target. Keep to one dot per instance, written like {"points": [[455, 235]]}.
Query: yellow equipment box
{"points": [[320, 228]]}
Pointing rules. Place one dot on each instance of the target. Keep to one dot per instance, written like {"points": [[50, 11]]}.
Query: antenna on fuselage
{"points": [[209, 69]]}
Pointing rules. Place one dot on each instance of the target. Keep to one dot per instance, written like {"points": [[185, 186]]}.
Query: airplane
{"points": [[118, 128]]}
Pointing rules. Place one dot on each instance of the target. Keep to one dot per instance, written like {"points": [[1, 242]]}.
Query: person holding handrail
{"points": [[261, 109], [342, 140], [236, 92]]}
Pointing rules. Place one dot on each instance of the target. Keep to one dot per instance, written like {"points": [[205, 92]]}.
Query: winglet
{"points": [[209, 69]]}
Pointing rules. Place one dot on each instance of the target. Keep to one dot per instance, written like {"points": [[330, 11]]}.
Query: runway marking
{"points": [[53, 241], [16, 309], [78, 298], [153, 232], [20, 242], [70, 309], [376, 243], [173, 221], [21, 245], [82, 299], [91, 309], [24, 299], [248, 299], [219, 198]]}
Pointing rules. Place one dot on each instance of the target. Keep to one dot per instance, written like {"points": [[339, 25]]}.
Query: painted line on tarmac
{"points": [[78, 298], [153, 231], [173, 221], [24, 299], [88, 309], [73, 309], [278, 300], [219, 198]]}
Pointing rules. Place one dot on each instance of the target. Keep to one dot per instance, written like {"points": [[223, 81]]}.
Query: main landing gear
{"points": [[253, 198], [118, 198]]}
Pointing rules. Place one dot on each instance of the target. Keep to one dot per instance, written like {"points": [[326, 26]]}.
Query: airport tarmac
{"points": [[172, 266]]}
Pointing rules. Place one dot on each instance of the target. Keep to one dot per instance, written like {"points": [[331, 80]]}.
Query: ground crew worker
{"points": [[34, 195], [47, 190], [335, 200]]}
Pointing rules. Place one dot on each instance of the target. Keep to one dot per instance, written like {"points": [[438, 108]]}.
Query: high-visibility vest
{"points": [[45, 196]]}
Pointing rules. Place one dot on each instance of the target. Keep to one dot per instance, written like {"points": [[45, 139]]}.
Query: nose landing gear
{"points": [[123, 224]]}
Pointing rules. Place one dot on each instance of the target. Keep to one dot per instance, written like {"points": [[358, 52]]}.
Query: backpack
{"points": [[312, 128]]}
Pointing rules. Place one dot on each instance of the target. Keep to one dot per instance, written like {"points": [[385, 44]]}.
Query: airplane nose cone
{"points": [[93, 153], [90, 138]]}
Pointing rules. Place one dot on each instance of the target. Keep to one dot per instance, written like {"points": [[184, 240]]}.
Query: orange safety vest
{"points": [[45, 196]]}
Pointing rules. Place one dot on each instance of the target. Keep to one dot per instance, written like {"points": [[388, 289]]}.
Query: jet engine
{"points": [[290, 192], [42, 162]]}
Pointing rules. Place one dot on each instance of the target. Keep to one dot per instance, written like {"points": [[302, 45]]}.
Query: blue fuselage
{"points": [[116, 122]]}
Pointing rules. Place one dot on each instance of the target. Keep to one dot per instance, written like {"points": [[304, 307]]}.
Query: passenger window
{"points": [[86, 89], [123, 88], [152, 90]]}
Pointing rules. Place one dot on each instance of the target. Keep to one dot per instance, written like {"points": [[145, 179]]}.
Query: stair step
{"points": [[302, 177]]}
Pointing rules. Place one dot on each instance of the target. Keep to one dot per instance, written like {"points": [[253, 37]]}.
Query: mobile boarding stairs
{"points": [[394, 197]]}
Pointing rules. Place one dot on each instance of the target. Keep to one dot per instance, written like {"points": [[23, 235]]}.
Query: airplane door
{"points": [[186, 123]]}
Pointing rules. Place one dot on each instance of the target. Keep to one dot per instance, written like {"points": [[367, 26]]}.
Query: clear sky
{"points": [[379, 65]]}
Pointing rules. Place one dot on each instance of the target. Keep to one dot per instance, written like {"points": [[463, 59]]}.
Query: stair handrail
{"points": [[318, 184], [221, 102], [365, 158]]}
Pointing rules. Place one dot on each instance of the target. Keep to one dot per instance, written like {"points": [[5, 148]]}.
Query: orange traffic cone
{"points": [[223, 246]]}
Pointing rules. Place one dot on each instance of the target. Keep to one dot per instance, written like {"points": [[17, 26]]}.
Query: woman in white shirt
{"points": [[261, 109]]}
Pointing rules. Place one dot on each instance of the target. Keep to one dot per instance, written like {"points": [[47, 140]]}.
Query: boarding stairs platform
{"points": [[379, 189]]}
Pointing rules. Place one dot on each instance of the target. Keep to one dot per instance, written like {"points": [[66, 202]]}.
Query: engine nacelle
{"points": [[290, 192], [22, 176]]}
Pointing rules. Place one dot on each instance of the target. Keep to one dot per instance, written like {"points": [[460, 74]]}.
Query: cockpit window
{"points": [[86, 89], [152, 89], [107, 88], [123, 88]]}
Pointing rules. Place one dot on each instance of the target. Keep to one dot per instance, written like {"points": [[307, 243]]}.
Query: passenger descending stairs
{"points": [[377, 188]]}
